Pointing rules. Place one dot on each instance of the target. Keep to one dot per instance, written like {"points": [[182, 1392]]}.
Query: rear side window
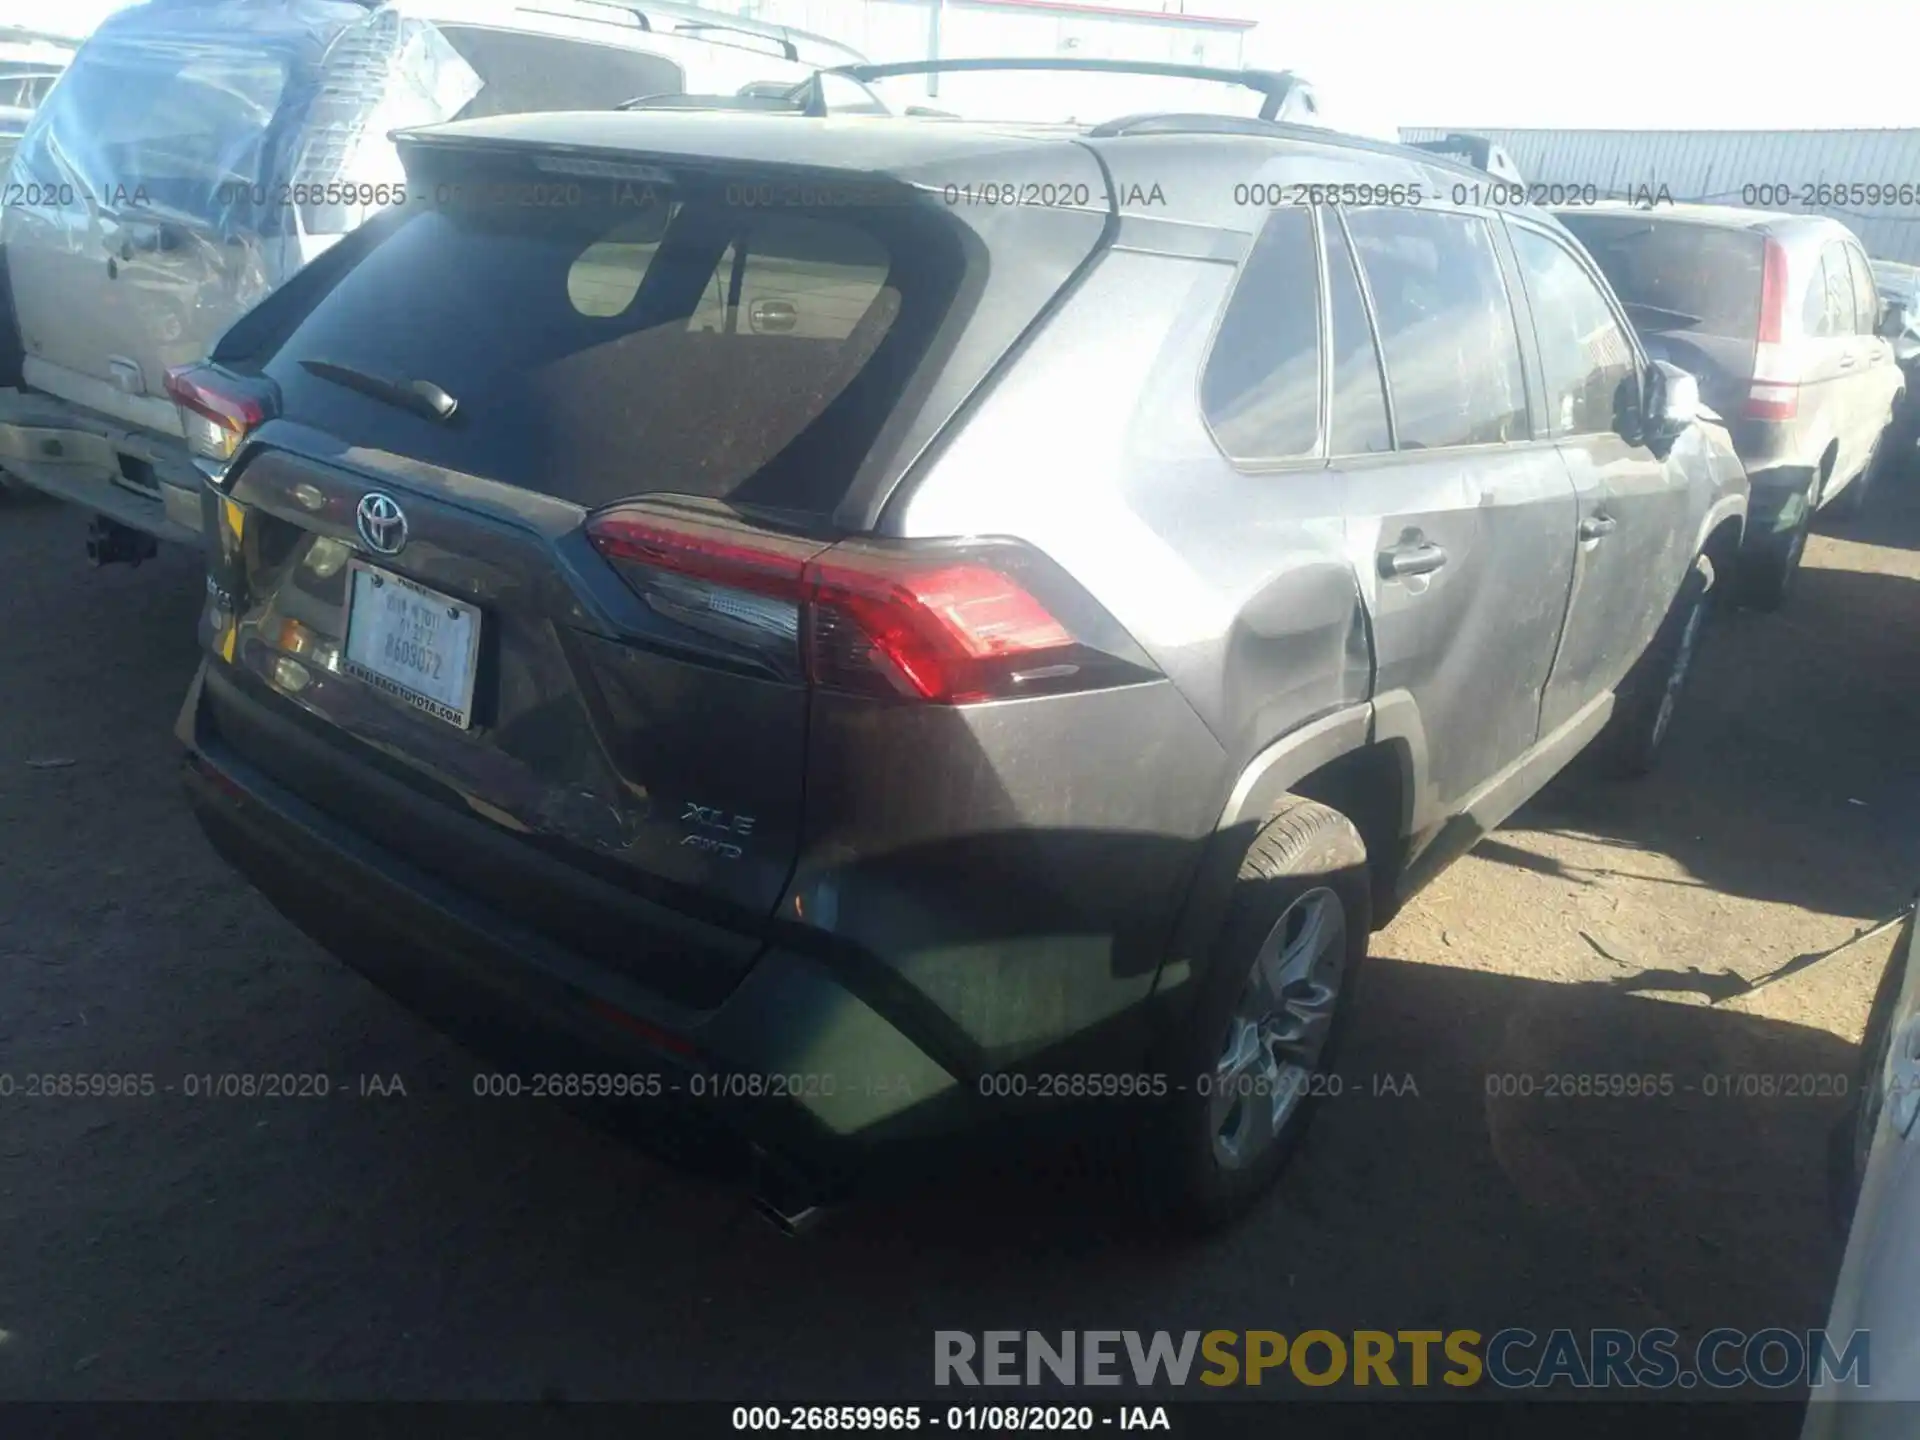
{"points": [[1446, 327], [1261, 388], [1591, 375], [1866, 300], [1675, 275], [597, 351], [1827, 310], [1359, 423], [521, 72]]}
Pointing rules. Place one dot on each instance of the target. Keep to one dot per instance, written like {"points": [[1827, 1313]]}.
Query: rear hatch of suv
{"points": [[553, 508], [1692, 289]]}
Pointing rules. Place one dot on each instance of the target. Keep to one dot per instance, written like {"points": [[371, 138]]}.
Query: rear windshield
{"points": [[1675, 275], [597, 351]]}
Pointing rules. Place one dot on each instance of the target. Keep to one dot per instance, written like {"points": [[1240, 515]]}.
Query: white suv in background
{"points": [[200, 152]]}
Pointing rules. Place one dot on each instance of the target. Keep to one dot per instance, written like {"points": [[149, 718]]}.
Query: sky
{"points": [[1618, 65], [1622, 64]]}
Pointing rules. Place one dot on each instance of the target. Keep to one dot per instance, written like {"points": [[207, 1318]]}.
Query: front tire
{"points": [[1252, 1057], [1636, 735]]}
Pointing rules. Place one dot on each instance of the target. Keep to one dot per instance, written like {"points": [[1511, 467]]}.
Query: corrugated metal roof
{"points": [[1727, 167]]}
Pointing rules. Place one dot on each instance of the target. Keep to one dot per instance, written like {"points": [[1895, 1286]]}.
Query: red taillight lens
{"points": [[217, 410], [938, 631], [1773, 293], [1773, 400], [940, 622], [1775, 394]]}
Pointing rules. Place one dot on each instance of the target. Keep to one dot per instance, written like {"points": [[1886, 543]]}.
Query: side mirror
{"points": [[1893, 320], [1672, 401]]}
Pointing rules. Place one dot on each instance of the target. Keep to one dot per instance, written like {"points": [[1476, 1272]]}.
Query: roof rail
{"points": [[1277, 86], [756, 104], [667, 17]]}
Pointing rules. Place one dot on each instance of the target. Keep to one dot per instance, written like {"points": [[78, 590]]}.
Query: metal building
{"points": [[1876, 173], [1125, 30]]}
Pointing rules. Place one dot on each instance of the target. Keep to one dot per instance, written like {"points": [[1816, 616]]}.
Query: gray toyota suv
{"points": [[836, 633]]}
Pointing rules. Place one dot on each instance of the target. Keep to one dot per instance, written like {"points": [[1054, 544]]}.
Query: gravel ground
{"points": [[436, 1245]]}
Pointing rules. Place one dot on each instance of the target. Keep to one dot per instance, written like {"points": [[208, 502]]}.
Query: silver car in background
{"points": [[1779, 318]]}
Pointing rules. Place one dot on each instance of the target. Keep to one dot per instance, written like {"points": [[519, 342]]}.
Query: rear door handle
{"points": [[1405, 560], [1596, 527], [1846, 362]]}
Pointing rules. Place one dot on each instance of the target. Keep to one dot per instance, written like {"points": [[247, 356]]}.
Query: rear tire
{"points": [[1250, 1063], [1648, 698]]}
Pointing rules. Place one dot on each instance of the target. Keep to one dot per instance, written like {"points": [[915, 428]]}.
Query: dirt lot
{"points": [[440, 1245]]}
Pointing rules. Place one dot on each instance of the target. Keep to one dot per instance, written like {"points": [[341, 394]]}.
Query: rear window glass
{"points": [[179, 122], [598, 352], [1673, 275], [522, 72], [1261, 389], [1446, 327]]}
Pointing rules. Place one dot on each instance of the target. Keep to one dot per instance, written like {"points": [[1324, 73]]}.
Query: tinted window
{"points": [[1452, 354], [1359, 398], [1866, 302], [1261, 390], [1591, 375], [691, 347], [1676, 275]]}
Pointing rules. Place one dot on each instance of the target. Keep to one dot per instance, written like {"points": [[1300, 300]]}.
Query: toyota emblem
{"points": [[381, 523]]}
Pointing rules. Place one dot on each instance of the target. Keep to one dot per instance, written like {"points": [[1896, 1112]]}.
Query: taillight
{"points": [[1773, 293], [217, 410], [1775, 392], [944, 622]]}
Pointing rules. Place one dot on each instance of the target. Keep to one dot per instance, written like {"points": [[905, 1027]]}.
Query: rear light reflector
{"points": [[660, 1039], [942, 622], [1771, 401], [217, 410]]}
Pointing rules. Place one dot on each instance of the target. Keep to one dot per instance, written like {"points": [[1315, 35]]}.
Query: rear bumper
{"points": [[792, 1069], [144, 481]]}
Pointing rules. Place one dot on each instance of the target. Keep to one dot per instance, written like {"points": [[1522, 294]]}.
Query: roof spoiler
{"points": [[1478, 151], [1285, 95]]}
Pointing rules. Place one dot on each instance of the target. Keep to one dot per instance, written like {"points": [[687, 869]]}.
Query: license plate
{"points": [[413, 643]]}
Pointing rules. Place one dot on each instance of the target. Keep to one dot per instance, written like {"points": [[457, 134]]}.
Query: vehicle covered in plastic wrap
{"points": [[198, 153], [30, 61]]}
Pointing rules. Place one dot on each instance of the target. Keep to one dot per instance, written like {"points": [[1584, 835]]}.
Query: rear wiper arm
{"points": [[422, 397]]}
